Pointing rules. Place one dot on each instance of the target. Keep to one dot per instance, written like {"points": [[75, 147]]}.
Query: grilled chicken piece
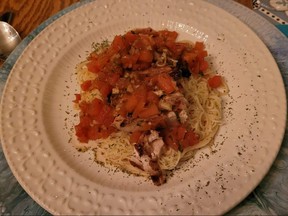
{"points": [[147, 152], [175, 100], [155, 71], [126, 124]]}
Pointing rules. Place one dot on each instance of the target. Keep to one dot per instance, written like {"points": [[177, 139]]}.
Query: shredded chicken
{"points": [[147, 152]]}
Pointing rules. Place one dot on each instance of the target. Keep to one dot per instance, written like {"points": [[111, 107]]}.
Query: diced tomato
{"points": [[93, 66], [166, 83], [199, 46], [146, 56], [129, 38], [152, 97], [141, 66], [118, 43], [189, 57], [165, 39], [135, 136], [138, 44], [95, 107], [129, 60], [93, 132], [168, 35], [111, 68], [172, 35], [112, 78], [159, 42], [81, 133], [85, 121], [107, 132], [203, 65], [195, 58], [104, 87], [170, 44], [122, 111], [194, 67], [122, 83], [202, 54], [131, 103], [104, 74], [179, 135], [141, 94], [180, 132], [151, 110], [177, 50], [105, 90], [143, 42], [83, 105], [85, 86], [190, 139], [215, 81], [139, 107], [105, 116]]}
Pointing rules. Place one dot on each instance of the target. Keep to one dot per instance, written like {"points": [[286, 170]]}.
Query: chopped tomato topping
{"points": [[129, 60], [104, 87], [190, 139], [135, 136], [81, 133], [131, 103], [199, 46], [105, 116], [130, 38], [146, 56], [93, 108], [139, 107], [85, 86], [132, 80], [203, 66], [177, 49], [149, 111], [179, 136], [118, 43], [152, 97], [112, 78], [166, 83], [180, 132], [215, 81], [189, 57], [96, 65]]}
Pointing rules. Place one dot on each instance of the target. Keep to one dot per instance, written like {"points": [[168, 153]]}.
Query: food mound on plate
{"points": [[147, 102]]}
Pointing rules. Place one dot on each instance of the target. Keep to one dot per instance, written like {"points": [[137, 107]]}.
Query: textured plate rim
{"points": [[34, 197]]}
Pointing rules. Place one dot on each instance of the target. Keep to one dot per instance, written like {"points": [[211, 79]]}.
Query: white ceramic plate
{"points": [[37, 114]]}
